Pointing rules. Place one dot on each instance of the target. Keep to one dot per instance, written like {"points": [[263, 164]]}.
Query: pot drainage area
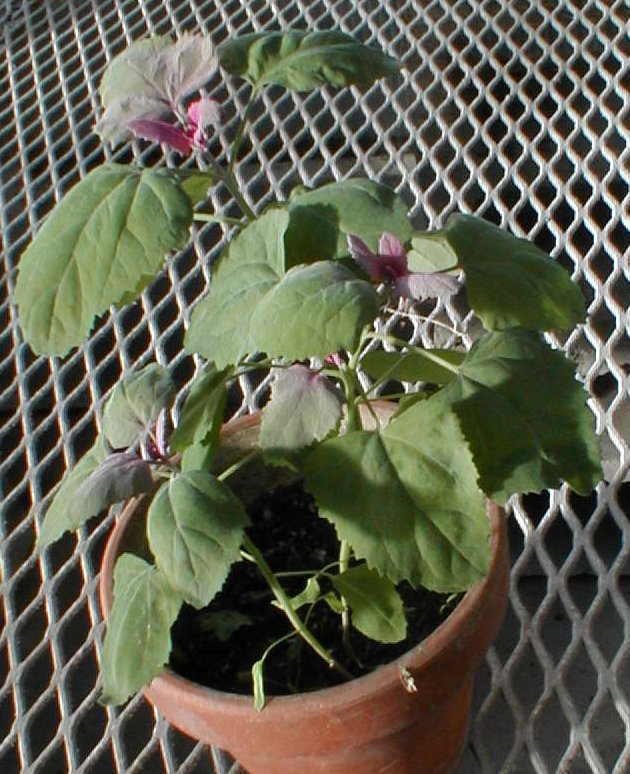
{"points": [[518, 111]]}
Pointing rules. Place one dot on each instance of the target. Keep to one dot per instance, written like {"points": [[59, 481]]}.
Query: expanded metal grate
{"points": [[515, 110]]}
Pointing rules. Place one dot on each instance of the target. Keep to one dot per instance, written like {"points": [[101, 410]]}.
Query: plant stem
{"points": [[428, 353], [345, 552], [240, 132], [287, 608], [348, 376], [239, 464], [226, 177], [209, 217]]}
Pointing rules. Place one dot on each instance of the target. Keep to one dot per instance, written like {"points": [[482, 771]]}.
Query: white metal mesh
{"points": [[515, 110]]}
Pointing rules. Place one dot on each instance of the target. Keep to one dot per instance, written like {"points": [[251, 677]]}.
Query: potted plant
{"points": [[377, 502]]}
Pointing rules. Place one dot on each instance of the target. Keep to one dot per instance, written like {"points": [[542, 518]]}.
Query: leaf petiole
{"points": [[239, 464], [209, 217], [240, 132]]}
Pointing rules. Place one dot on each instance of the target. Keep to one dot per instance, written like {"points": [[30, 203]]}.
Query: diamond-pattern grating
{"points": [[518, 111]]}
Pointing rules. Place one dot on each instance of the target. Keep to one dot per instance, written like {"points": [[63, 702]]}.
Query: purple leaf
{"points": [[174, 137], [120, 476], [366, 259]]}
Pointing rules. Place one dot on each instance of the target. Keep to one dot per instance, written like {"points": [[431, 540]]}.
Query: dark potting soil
{"points": [[217, 646]]}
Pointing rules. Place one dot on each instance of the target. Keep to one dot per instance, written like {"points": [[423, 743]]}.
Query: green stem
{"points": [[423, 317], [345, 552], [287, 608], [226, 177], [239, 464], [240, 132], [209, 217], [347, 376], [430, 354]]}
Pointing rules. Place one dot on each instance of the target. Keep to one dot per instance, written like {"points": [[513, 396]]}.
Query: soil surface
{"points": [[218, 645]]}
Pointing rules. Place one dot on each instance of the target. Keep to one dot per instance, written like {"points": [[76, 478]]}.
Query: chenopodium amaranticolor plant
{"points": [[298, 289]]}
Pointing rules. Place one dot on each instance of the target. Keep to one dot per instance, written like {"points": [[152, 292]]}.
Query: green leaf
{"points": [[202, 413], [138, 639], [198, 456], [194, 183], [252, 264], [524, 416], [195, 529], [304, 408], [322, 218], [510, 282], [376, 607], [406, 498], [302, 61], [308, 596], [438, 366], [101, 245], [126, 74], [135, 404], [332, 307], [253, 305], [430, 251], [66, 512], [258, 684]]}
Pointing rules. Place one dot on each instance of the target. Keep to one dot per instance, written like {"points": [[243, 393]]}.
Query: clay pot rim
{"points": [[417, 658]]}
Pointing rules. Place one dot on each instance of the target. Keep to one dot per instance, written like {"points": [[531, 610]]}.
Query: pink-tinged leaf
{"points": [[190, 63], [426, 285], [114, 125], [391, 253], [166, 134], [366, 259], [334, 359], [121, 475], [150, 80], [204, 112], [304, 407]]}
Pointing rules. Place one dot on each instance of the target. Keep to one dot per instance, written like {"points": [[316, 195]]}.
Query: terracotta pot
{"points": [[407, 717]]}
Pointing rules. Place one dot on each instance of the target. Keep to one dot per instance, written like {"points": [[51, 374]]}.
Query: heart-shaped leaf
{"points": [[102, 244], [138, 637], [524, 416], [406, 498], [304, 408], [135, 404], [376, 607], [510, 282], [195, 529], [302, 61], [322, 218]]}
